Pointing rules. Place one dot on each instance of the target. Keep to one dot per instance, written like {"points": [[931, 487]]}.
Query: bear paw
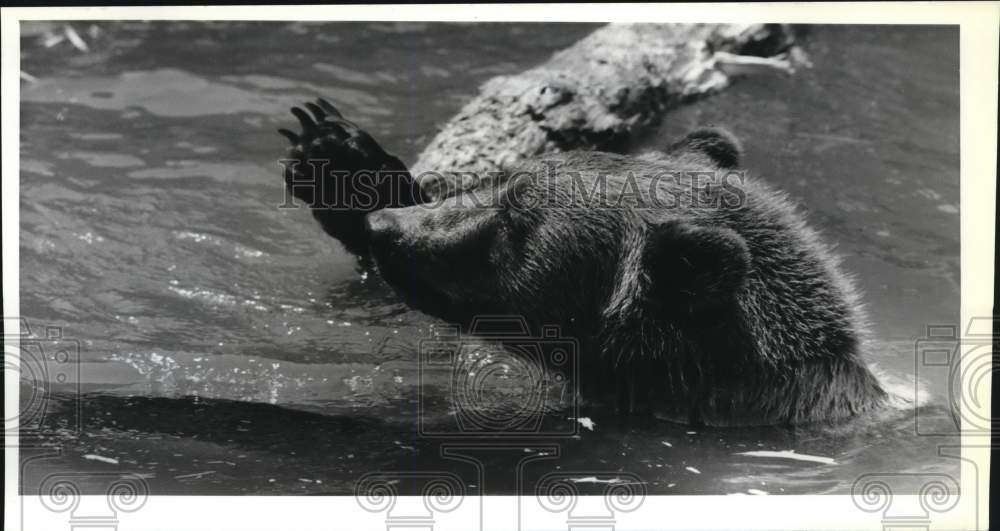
{"points": [[342, 174]]}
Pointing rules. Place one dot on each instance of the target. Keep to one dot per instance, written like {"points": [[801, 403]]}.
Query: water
{"points": [[227, 346]]}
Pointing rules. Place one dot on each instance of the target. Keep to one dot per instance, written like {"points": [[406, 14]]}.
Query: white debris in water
{"points": [[89, 237], [790, 454], [692, 470], [585, 422], [101, 458], [758, 492], [692, 432], [594, 479], [246, 252], [196, 475], [665, 443], [928, 194]]}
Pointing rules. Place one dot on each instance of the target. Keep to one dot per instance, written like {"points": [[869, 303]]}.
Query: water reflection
{"points": [[229, 346]]}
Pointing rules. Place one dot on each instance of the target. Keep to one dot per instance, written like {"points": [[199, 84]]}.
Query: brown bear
{"points": [[695, 291]]}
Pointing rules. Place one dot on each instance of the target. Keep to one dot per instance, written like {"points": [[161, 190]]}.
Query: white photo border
{"points": [[978, 78]]}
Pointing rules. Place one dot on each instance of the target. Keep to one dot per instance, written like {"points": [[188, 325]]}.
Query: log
{"points": [[596, 93]]}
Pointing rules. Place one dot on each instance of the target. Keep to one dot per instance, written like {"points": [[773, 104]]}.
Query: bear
{"points": [[699, 299]]}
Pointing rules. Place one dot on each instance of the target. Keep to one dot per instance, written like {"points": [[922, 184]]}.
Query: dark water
{"points": [[227, 346]]}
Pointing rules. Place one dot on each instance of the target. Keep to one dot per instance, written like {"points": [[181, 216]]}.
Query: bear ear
{"points": [[716, 143], [693, 270]]}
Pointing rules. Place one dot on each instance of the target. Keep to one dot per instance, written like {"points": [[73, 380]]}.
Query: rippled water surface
{"points": [[227, 346]]}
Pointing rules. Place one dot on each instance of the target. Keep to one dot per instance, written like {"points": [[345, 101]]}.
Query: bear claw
{"points": [[329, 108], [292, 137], [304, 119], [319, 113]]}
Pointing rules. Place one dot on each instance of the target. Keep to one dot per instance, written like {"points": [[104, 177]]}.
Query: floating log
{"points": [[594, 94]]}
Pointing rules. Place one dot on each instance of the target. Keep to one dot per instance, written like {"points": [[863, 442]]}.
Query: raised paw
{"points": [[341, 173]]}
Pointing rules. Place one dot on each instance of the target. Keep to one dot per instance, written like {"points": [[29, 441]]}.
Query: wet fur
{"points": [[718, 316]]}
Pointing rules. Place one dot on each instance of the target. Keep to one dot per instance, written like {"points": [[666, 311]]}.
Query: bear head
{"points": [[567, 242]]}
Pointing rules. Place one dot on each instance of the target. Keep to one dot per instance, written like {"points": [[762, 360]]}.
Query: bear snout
{"points": [[444, 231], [434, 258]]}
